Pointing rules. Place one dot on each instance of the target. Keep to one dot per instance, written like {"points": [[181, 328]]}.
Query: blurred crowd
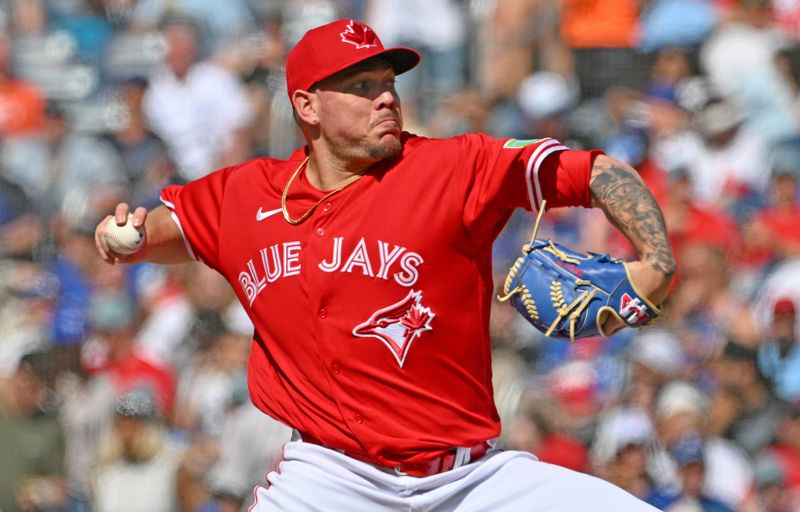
{"points": [[123, 389]]}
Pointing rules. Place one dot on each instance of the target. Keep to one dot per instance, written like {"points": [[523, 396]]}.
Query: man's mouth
{"points": [[388, 120]]}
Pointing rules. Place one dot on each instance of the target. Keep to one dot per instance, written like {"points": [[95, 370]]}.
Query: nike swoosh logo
{"points": [[263, 215]]}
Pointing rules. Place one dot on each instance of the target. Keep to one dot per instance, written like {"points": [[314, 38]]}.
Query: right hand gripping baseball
{"points": [[120, 217]]}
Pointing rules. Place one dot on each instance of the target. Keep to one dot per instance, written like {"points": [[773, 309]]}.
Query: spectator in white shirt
{"points": [[199, 109]]}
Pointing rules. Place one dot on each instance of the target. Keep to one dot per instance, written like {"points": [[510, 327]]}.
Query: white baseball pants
{"points": [[314, 478]]}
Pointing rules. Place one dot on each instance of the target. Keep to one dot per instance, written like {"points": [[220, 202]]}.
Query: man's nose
{"points": [[386, 99]]}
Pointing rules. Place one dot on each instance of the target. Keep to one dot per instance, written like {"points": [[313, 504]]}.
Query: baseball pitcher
{"points": [[364, 263]]}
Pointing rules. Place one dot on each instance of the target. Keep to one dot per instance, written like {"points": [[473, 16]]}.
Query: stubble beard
{"points": [[380, 152], [367, 152]]}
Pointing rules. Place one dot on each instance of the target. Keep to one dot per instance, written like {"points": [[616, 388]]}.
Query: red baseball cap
{"points": [[326, 50]]}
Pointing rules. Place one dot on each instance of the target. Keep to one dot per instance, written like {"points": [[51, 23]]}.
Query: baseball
{"points": [[124, 239]]}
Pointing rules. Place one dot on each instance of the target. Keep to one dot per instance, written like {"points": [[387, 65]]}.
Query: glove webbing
{"points": [[580, 303], [583, 299]]}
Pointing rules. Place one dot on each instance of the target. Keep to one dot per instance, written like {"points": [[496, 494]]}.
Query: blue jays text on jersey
{"points": [[378, 259]]}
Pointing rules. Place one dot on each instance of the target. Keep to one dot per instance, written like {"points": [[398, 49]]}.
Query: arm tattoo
{"points": [[631, 208]]}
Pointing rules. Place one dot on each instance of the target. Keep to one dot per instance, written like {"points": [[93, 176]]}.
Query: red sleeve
{"points": [[196, 209], [564, 178], [508, 174]]}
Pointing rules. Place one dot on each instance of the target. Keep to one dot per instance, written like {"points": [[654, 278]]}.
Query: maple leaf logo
{"points": [[398, 325], [359, 35], [417, 318]]}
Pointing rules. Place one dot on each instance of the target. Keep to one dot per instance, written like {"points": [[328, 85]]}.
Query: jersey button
{"points": [[359, 418], [320, 232], [323, 313], [336, 369], [327, 207]]}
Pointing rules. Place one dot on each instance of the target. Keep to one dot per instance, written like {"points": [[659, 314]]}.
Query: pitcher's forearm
{"points": [[163, 242], [619, 191]]}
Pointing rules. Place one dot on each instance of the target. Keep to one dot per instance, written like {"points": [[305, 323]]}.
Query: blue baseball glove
{"points": [[569, 295]]}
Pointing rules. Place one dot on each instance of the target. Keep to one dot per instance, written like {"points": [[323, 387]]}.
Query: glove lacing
{"points": [[515, 268], [581, 301]]}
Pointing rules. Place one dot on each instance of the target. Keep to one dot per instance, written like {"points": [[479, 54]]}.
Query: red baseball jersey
{"points": [[372, 316]]}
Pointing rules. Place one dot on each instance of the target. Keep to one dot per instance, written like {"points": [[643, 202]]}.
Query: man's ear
{"points": [[305, 105]]}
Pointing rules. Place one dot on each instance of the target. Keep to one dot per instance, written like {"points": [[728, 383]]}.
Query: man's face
{"points": [[359, 113], [181, 48]]}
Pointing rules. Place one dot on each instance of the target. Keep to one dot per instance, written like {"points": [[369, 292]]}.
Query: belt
{"points": [[455, 458]]}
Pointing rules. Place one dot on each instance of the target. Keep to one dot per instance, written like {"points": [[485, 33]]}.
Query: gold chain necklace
{"points": [[349, 181]]}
